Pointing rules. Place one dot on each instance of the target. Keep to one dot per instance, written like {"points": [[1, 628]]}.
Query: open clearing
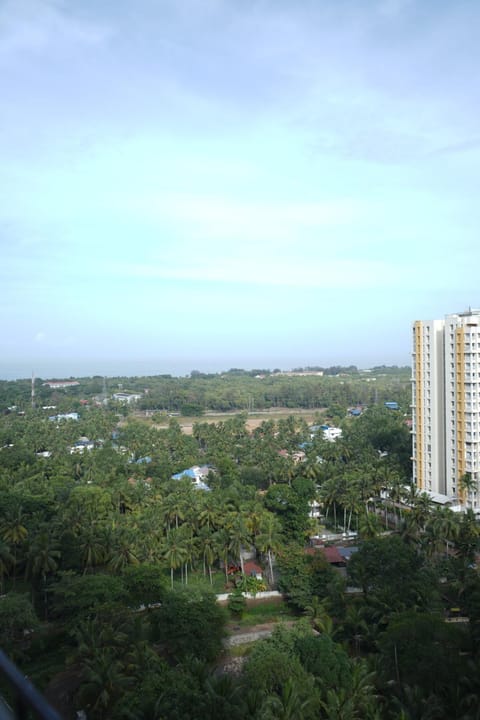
{"points": [[254, 419]]}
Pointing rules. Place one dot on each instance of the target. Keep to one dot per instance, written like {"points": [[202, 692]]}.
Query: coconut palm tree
{"points": [[239, 537], [174, 508], [221, 540], [422, 508], [6, 562], [208, 551], [122, 553], [104, 682], [466, 485], [42, 560], [318, 616], [13, 531], [442, 527], [269, 540], [175, 550], [92, 548], [290, 705], [369, 525]]}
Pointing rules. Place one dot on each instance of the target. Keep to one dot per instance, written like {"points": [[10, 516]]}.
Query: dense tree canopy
{"points": [[108, 565]]}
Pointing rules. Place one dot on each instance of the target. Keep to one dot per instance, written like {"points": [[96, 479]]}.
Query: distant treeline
{"points": [[236, 389]]}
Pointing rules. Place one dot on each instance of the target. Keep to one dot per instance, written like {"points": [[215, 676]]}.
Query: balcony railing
{"points": [[27, 701]]}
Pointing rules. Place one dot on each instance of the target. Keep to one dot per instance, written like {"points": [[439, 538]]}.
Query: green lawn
{"points": [[198, 579], [265, 612]]}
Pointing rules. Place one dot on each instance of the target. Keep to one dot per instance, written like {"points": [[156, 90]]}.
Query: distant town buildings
{"points": [[64, 416], [128, 398], [60, 384], [446, 406]]}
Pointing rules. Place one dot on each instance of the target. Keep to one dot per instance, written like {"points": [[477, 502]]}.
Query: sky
{"points": [[207, 184]]}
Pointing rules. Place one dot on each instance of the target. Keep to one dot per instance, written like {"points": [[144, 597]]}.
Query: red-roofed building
{"points": [[330, 553], [252, 569]]}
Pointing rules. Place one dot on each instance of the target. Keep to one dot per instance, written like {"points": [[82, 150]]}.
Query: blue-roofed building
{"points": [[196, 474], [329, 433], [391, 405]]}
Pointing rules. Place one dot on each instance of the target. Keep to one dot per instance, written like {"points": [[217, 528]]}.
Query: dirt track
{"points": [[239, 635]]}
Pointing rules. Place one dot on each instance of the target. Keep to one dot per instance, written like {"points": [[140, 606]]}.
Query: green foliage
{"points": [[269, 667], [233, 390], [326, 660], [291, 507], [126, 525], [237, 603], [303, 577], [393, 573], [81, 596], [190, 622], [386, 431], [144, 584], [422, 649], [17, 620]]}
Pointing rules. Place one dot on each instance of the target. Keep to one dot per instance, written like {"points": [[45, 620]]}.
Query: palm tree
{"points": [[290, 705], [209, 515], [207, 544], [253, 517], [104, 682], [174, 509], [351, 503], [318, 616], [468, 537], [355, 627], [329, 493], [353, 701], [42, 560], [422, 508], [92, 548], [238, 536], [13, 531], [396, 492], [6, 562], [269, 539], [442, 527], [466, 484], [122, 553], [369, 525], [175, 551], [221, 541]]}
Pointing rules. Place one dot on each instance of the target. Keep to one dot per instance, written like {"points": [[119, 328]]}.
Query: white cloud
{"points": [[221, 219]]}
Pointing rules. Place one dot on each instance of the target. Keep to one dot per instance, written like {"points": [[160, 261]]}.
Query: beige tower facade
{"points": [[446, 406]]}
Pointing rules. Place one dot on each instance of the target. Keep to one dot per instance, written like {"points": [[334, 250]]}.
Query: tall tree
{"points": [[175, 550], [269, 540]]}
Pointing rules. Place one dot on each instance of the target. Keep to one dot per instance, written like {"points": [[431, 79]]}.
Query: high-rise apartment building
{"points": [[446, 406]]}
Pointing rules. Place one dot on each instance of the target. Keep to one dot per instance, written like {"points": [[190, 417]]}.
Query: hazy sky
{"points": [[206, 184]]}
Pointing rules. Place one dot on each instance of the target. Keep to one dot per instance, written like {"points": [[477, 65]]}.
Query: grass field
{"points": [[259, 612], [254, 419]]}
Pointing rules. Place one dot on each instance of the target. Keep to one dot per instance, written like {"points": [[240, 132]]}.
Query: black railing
{"points": [[27, 702]]}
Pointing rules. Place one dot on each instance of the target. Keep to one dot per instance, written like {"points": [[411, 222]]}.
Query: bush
{"points": [[237, 603]]}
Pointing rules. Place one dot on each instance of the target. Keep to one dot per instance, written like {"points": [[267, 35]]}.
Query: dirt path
{"points": [[240, 636]]}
